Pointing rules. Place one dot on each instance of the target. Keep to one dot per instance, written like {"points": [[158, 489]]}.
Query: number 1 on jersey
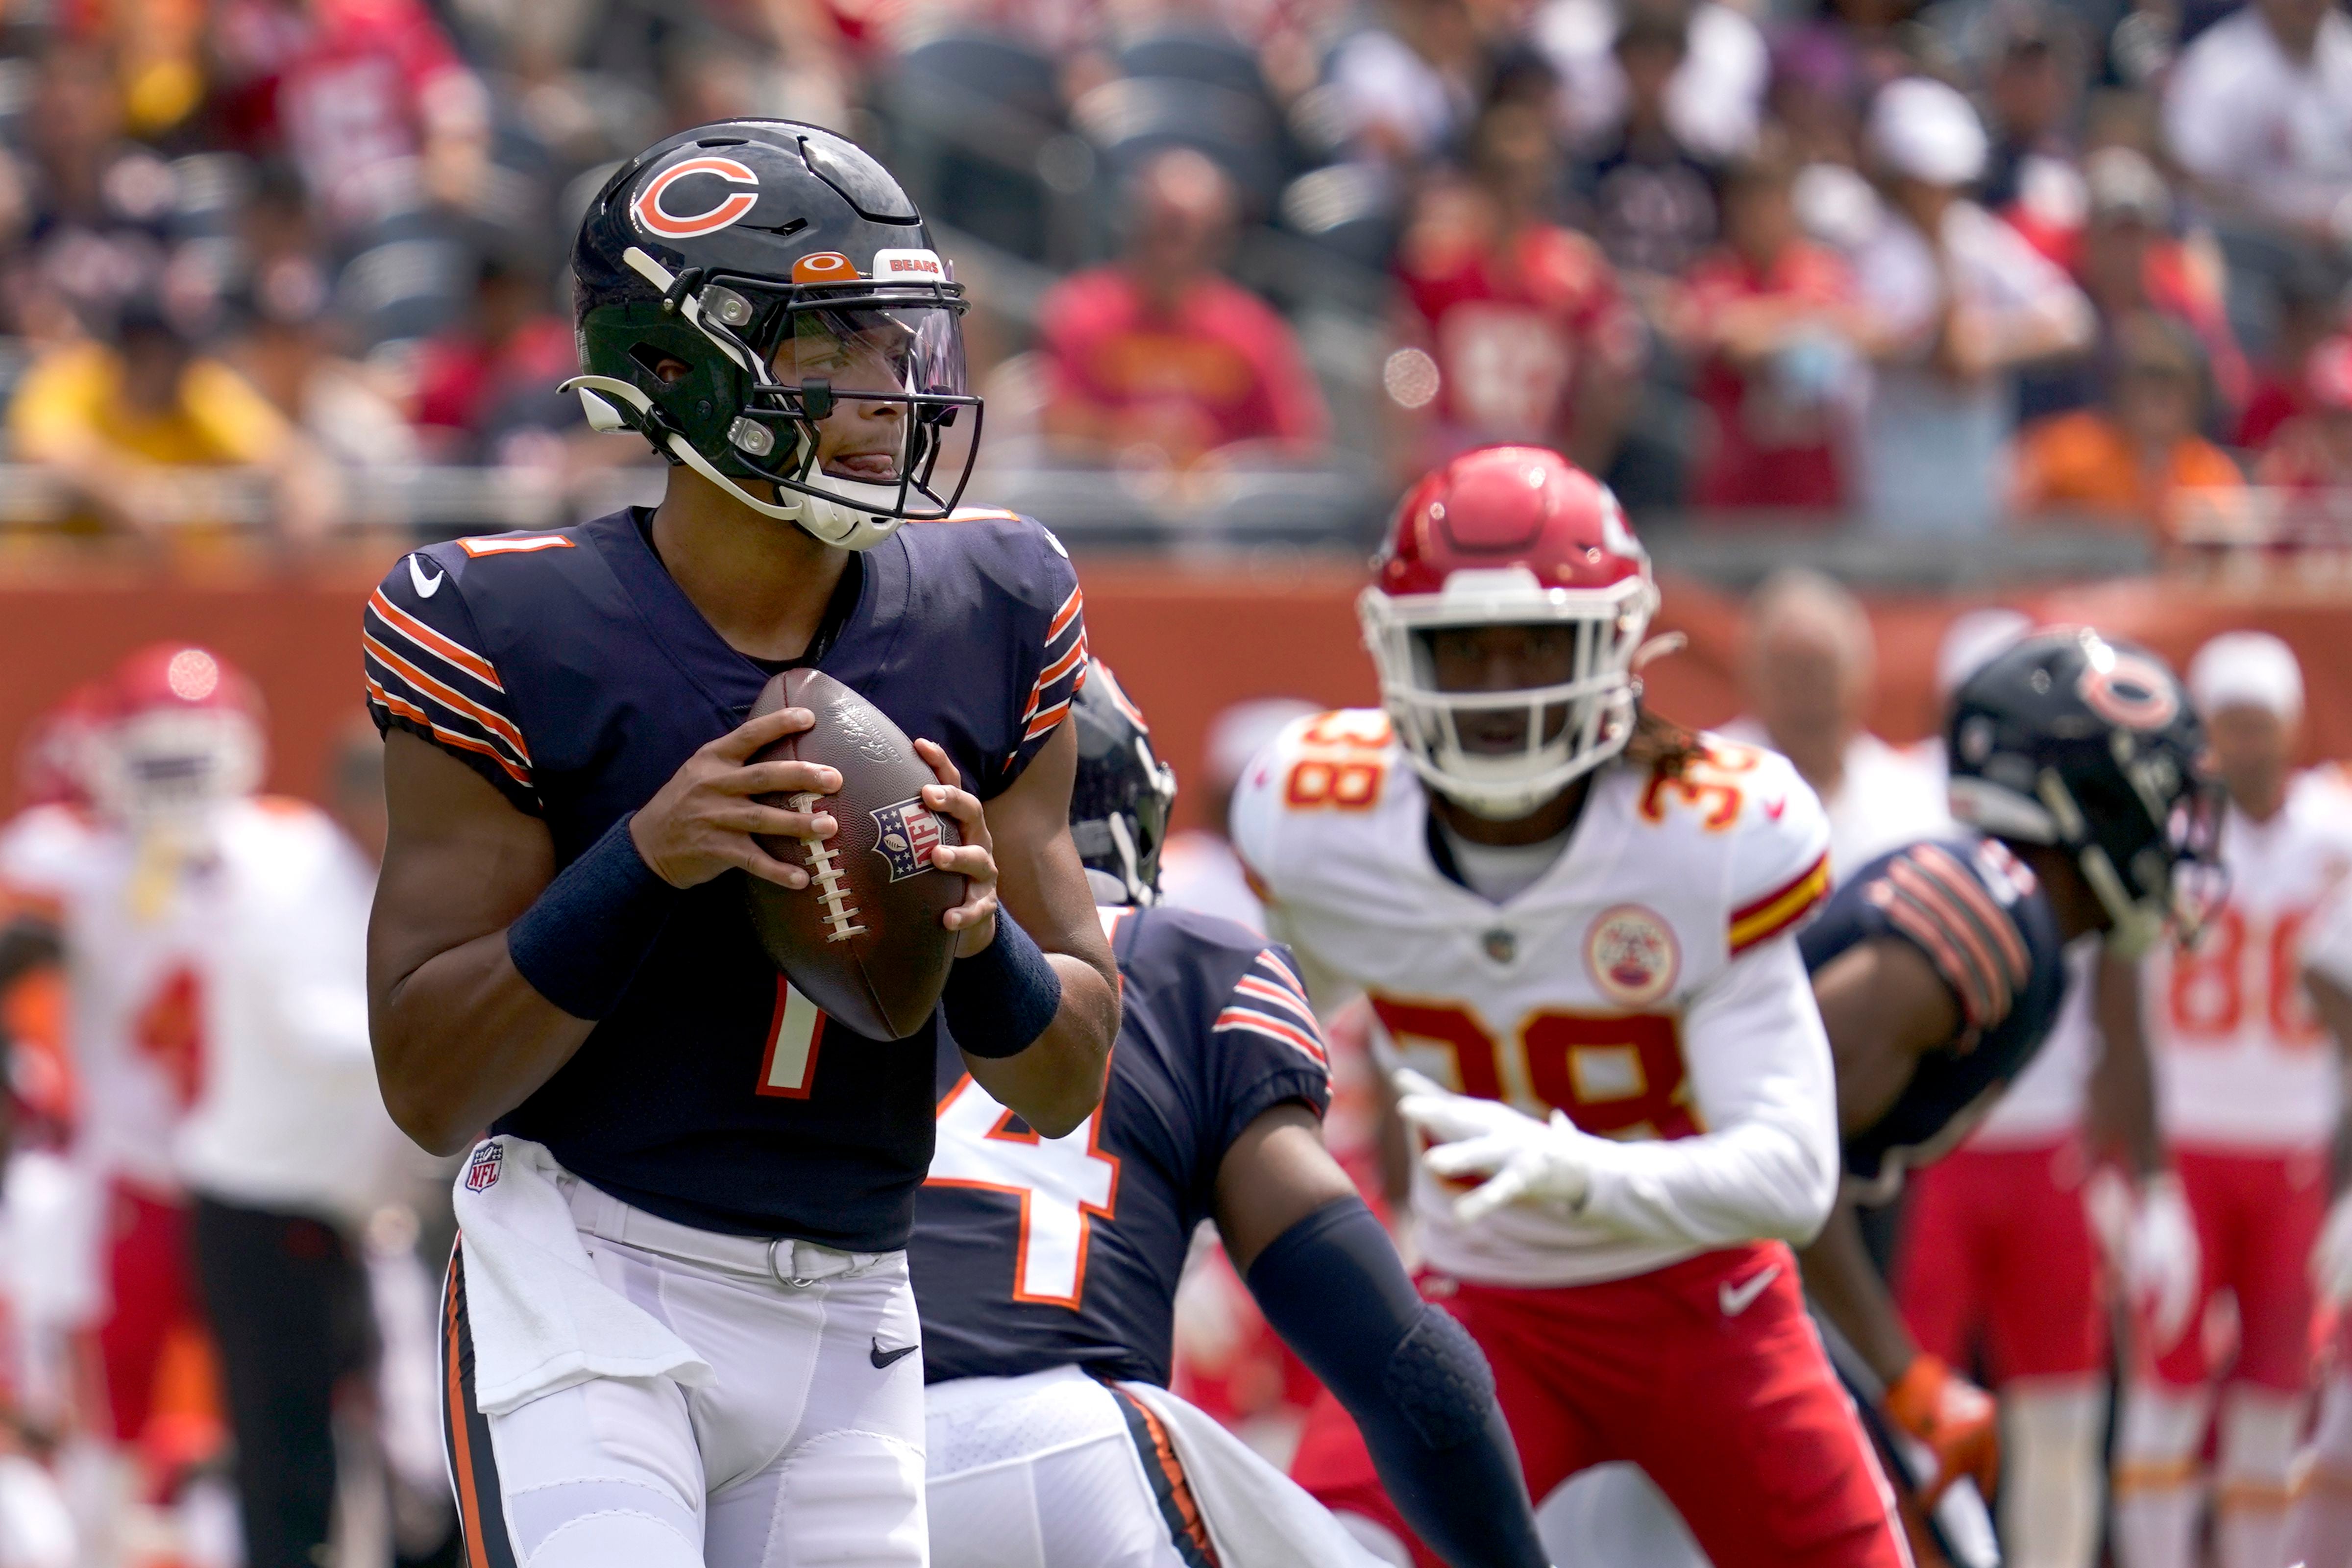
{"points": [[788, 1067]]}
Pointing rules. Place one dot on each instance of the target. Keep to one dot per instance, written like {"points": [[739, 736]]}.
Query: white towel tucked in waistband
{"points": [[541, 1319], [1258, 1517]]}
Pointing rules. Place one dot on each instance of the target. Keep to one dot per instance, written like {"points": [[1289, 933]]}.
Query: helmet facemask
{"points": [[849, 396], [1502, 754], [2166, 875], [169, 769], [2152, 858], [1120, 842]]}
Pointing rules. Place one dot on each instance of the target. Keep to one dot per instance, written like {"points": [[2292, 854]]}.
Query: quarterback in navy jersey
{"points": [[679, 1324], [1046, 1269], [1939, 968]]}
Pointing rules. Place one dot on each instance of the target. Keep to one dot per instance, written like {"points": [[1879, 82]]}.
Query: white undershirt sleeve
{"points": [[1767, 1167]]}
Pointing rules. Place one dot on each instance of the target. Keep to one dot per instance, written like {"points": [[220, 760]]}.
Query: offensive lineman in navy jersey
{"points": [[1939, 968], [1047, 1270], [679, 1326]]}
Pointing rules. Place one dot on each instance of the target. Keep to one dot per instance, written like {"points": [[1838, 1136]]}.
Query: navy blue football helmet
{"points": [[762, 303], [1121, 798], [2089, 744]]}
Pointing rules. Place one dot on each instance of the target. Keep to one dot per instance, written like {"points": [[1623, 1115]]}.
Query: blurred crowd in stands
{"points": [[1936, 267]]}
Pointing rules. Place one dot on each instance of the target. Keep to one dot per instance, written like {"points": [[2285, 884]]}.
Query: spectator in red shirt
{"points": [[494, 374], [368, 96], [2311, 309], [2313, 451], [1765, 314], [1514, 328], [1160, 351]]}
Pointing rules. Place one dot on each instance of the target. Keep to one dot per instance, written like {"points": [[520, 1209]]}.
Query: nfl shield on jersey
{"points": [[1984, 922], [1573, 994], [569, 670], [1032, 1253]]}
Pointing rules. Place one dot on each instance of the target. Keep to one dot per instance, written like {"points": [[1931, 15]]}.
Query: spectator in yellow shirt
{"points": [[119, 427]]}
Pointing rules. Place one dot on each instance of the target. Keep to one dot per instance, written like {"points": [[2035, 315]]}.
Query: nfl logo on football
{"points": [[482, 1170], [905, 835]]}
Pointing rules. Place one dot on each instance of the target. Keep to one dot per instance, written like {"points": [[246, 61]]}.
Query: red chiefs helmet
{"points": [[1510, 536], [179, 733]]}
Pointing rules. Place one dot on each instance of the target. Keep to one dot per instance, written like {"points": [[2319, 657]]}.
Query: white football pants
{"points": [[807, 1451], [1049, 1471]]}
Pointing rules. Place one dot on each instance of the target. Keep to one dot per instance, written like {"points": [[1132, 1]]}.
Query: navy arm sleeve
{"points": [[1419, 1389]]}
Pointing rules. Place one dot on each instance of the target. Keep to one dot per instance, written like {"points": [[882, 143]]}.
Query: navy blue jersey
{"points": [[1983, 921], [570, 670], [1033, 1253]]}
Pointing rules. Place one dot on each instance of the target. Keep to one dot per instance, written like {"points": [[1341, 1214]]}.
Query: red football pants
{"points": [[1706, 1373], [150, 1296], [2258, 1215], [1997, 1251]]}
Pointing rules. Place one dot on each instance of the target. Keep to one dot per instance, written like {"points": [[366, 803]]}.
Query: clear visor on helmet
{"points": [[858, 391]]}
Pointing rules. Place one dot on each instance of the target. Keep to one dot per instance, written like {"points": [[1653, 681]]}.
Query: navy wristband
{"points": [[581, 940], [1001, 999]]}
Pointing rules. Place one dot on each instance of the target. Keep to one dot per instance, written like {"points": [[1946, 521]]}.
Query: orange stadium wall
{"points": [[1185, 641]]}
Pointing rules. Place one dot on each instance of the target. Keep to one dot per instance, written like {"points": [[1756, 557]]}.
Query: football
{"points": [[863, 941]]}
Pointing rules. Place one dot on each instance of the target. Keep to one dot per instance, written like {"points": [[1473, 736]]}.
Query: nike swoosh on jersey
{"points": [[881, 1357], [426, 586], [1737, 1299]]}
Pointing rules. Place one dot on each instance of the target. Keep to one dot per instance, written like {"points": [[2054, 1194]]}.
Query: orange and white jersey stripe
{"points": [[426, 672], [1270, 1000]]}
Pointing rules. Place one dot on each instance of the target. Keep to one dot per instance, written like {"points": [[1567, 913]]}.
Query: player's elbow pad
{"points": [[1333, 1289], [1419, 1389]]}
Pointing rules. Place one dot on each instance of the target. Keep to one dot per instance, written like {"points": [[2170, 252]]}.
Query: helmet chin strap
{"points": [[822, 517]]}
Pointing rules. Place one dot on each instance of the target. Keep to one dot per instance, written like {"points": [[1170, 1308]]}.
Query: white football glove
{"points": [[2331, 1256], [1521, 1158], [2161, 1264]]}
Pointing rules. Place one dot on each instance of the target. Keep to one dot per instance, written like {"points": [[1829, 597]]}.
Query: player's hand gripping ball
{"points": [[866, 940]]}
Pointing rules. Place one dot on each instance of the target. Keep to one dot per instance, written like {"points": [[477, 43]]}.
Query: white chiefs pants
{"points": [[804, 1449], [1057, 1471]]}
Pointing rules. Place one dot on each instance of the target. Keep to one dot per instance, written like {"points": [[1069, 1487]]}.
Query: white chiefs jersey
{"points": [[1643, 986], [2242, 1061], [216, 1002]]}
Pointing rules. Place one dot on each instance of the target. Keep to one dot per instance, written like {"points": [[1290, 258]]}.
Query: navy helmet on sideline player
{"points": [[762, 303], [1123, 793], [2075, 759], [2090, 744]]}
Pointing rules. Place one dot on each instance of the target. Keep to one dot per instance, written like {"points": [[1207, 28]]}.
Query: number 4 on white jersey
{"points": [[1064, 1184]]}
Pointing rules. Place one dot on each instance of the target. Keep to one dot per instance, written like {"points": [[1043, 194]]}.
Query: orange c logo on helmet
{"points": [[2132, 693], [656, 219]]}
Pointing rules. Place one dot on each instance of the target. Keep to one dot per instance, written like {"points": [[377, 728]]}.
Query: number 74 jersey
{"points": [[1643, 986]]}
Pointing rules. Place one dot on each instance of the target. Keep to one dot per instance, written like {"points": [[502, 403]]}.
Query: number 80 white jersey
{"points": [[1644, 985]]}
